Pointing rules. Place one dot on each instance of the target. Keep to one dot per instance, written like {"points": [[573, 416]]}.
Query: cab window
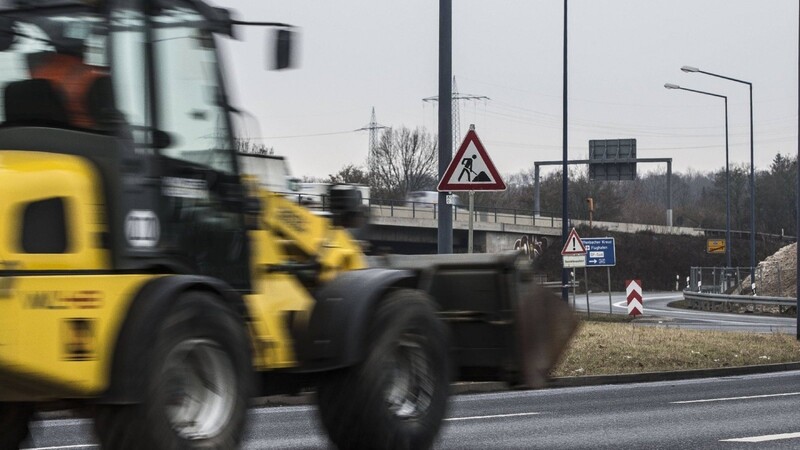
{"points": [[190, 109]]}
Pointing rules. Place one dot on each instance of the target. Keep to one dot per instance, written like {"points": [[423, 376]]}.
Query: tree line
{"points": [[405, 160]]}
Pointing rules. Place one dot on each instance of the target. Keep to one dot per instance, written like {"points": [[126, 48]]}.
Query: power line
{"points": [[303, 135]]}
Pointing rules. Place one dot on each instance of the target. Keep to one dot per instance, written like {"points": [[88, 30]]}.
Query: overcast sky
{"points": [[360, 54]]}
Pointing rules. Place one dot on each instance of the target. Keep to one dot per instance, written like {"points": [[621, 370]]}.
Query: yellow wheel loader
{"points": [[143, 279]]}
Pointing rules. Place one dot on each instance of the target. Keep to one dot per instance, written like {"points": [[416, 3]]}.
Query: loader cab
{"points": [[157, 125]]}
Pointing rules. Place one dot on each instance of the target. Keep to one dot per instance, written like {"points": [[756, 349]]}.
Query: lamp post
{"points": [[727, 171], [445, 221], [564, 173], [690, 69]]}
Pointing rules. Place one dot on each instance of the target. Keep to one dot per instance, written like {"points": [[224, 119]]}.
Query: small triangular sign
{"points": [[574, 245], [471, 169]]}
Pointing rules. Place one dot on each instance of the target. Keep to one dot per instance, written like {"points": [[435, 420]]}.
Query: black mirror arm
{"points": [[261, 24]]}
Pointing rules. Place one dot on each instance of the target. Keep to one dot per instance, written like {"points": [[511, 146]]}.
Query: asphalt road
{"points": [[757, 411], [657, 313]]}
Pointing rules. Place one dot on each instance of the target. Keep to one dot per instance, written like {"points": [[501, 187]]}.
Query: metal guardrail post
{"points": [[738, 277], [714, 276], [413, 210], [515, 216]]}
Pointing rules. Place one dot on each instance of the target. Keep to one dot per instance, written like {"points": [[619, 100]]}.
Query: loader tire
{"points": [[396, 397], [14, 419], [197, 378]]}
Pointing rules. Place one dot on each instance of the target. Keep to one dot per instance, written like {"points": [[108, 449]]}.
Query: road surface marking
{"points": [[765, 438], [497, 416], [61, 447], [726, 399], [45, 423], [702, 316]]}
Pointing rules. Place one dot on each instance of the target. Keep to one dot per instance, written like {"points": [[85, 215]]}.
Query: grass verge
{"points": [[610, 347]]}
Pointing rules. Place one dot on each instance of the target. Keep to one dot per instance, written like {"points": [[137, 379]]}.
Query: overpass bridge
{"points": [[397, 228]]}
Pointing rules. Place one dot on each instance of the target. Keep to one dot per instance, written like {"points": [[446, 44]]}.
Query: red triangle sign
{"points": [[471, 169], [574, 245]]}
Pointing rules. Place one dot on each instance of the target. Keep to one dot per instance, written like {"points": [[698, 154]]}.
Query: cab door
{"points": [[201, 210]]}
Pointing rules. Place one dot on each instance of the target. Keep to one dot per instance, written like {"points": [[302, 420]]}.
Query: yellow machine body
{"points": [[61, 313]]}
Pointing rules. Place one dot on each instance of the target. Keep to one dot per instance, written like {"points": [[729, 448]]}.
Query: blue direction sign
{"points": [[600, 252]]}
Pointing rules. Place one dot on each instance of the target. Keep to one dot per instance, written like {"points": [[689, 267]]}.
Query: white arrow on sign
{"points": [[635, 307]]}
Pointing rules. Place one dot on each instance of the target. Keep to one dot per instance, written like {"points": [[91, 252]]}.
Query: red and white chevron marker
{"points": [[633, 289]]}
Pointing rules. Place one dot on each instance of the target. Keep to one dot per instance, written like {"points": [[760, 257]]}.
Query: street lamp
{"points": [[690, 69], [727, 171]]}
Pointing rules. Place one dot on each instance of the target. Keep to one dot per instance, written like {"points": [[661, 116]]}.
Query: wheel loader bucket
{"points": [[504, 326], [544, 326]]}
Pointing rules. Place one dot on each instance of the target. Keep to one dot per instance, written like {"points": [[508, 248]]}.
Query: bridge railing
{"points": [[422, 210]]}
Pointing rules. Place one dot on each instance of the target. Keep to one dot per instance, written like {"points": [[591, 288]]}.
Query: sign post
{"points": [[471, 170], [471, 218], [601, 252], [574, 255]]}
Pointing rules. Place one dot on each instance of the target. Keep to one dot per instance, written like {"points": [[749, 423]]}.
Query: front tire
{"points": [[197, 381], [14, 418], [396, 397]]}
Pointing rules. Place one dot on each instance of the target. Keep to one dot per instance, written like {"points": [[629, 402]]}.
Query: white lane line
{"points": [[280, 409], [61, 447], [727, 399], [661, 296], [60, 423], [765, 438], [497, 416], [703, 317]]}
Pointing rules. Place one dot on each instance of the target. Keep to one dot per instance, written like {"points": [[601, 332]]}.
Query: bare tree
{"points": [[252, 147], [403, 161], [518, 194], [350, 174]]}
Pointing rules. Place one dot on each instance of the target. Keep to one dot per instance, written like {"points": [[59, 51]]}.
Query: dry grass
{"points": [[603, 348]]}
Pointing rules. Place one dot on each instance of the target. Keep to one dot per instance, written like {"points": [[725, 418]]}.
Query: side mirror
{"points": [[283, 49]]}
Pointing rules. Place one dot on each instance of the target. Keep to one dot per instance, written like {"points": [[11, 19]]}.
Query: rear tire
{"points": [[396, 397], [197, 378], [14, 419]]}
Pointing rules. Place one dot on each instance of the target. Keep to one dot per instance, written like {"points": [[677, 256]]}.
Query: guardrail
{"points": [[403, 209], [557, 286], [414, 210], [424, 210], [701, 300]]}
